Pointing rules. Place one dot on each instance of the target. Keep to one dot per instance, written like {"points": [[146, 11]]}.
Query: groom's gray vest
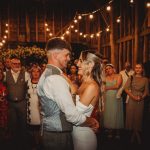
{"points": [[53, 118]]}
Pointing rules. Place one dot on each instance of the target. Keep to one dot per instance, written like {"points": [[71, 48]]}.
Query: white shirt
{"points": [[16, 75], [56, 88], [125, 75]]}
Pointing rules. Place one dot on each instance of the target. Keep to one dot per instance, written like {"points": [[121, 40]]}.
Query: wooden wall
{"points": [[27, 21], [128, 40], [131, 37]]}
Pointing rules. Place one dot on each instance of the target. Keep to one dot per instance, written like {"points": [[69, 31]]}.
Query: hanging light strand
{"points": [[78, 17], [5, 36]]}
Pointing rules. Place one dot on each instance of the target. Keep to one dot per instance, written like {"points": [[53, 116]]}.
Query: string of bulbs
{"points": [[90, 15], [4, 38]]}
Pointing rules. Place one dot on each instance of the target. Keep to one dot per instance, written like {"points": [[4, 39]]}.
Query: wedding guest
{"points": [[137, 88], [7, 63], [126, 73], [2, 66], [113, 107], [16, 82], [73, 76], [33, 106]]}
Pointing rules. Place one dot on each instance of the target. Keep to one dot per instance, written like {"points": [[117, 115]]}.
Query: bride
{"points": [[89, 67]]}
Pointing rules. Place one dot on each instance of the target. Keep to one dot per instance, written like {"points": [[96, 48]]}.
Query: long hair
{"points": [[92, 56]]}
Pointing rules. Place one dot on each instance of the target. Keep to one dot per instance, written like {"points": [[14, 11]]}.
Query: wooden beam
{"points": [[145, 32], [27, 27], [136, 34], [99, 38], [114, 57], [145, 50], [105, 45], [36, 27], [128, 38], [0, 26], [124, 39]]}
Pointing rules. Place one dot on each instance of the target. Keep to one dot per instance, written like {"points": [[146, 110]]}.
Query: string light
{"points": [[84, 35], [131, 1], [48, 30], [50, 34], [91, 16], [108, 8], [5, 37], [1, 44], [118, 20], [3, 40], [6, 31], [107, 29], [46, 25], [81, 33], [62, 37], [75, 21], [76, 30], [78, 17], [148, 4], [67, 32], [91, 36], [98, 34]]}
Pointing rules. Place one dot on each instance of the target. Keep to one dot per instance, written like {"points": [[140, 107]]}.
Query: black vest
{"points": [[16, 90], [53, 118]]}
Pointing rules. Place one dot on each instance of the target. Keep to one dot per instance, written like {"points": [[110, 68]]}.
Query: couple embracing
{"points": [[67, 125]]}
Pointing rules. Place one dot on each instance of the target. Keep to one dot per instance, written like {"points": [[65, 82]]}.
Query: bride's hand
{"points": [[96, 126]]}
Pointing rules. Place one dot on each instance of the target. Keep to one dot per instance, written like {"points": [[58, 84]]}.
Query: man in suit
{"points": [[16, 82]]}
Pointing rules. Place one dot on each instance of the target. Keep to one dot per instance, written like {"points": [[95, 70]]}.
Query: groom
{"points": [[58, 110]]}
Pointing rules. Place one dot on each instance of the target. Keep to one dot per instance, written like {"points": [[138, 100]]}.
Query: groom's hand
{"points": [[95, 126], [92, 123]]}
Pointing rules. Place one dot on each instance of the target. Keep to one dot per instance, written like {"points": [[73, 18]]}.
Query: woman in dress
{"points": [[73, 75], [33, 107], [137, 89], [113, 107], [89, 67]]}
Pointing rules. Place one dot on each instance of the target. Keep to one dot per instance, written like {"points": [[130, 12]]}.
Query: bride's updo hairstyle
{"points": [[92, 57]]}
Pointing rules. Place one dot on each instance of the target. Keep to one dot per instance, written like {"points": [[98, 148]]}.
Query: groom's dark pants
{"points": [[57, 140]]}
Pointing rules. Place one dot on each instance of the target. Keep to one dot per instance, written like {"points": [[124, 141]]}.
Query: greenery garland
{"points": [[26, 54]]}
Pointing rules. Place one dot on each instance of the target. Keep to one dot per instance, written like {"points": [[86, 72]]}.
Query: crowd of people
{"points": [[61, 107]]}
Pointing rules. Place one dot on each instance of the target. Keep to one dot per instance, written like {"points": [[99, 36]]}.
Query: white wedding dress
{"points": [[83, 137]]}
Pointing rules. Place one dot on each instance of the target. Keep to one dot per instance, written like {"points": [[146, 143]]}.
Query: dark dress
{"points": [[134, 109]]}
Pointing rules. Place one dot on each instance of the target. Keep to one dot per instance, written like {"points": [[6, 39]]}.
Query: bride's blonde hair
{"points": [[89, 56]]}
